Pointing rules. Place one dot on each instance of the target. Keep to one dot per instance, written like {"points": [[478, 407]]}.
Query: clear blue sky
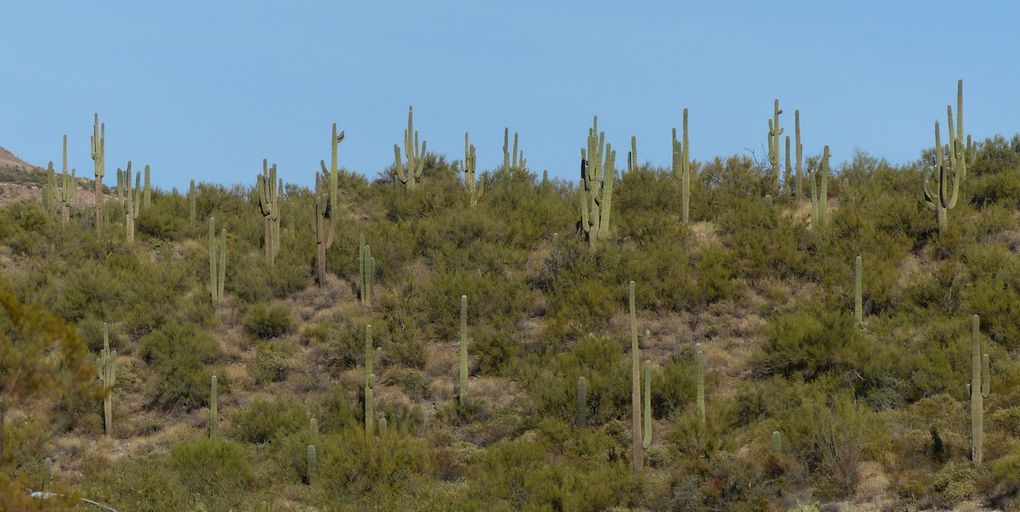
{"points": [[207, 89]]}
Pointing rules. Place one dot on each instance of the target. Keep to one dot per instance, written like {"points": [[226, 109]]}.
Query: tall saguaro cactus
{"points": [[978, 391], [108, 376], [409, 174], [820, 191], [943, 199], [217, 260], [963, 150], [369, 381], [64, 188], [515, 159], [799, 178], [682, 169], [147, 195], [775, 131], [475, 189], [647, 407], [326, 206], [632, 158], [786, 169], [132, 202], [192, 204], [99, 160], [462, 388], [858, 285], [597, 176], [367, 265], [699, 370], [637, 445], [269, 191], [214, 414]]}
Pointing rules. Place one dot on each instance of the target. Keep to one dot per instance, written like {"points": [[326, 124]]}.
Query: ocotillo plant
{"points": [[313, 463], [515, 159], [820, 191], [108, 376], [327, 206], [943, 199], [99, 160], [214, 414], [775, 131], [699, 371], [147, 196], [475, 189], [366, 263], [637, 455], [582, 402], [462, 388], [597, 177], [682, 169], [65, 188], [269, 192], [217, 261], [647, 407], [369, 380], [799, 179], [409, 174], [192, 204], [977, 411], [858, 285]]}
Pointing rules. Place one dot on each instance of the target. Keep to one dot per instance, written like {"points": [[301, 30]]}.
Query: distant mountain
{"points": [[8, 160]]}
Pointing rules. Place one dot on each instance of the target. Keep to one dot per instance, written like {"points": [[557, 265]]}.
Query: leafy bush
{"points": [[178, 357], [264, 421], [266, 322], [213, 467]]}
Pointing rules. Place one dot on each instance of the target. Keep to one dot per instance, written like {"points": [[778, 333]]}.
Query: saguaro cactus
{"points": [[597, 176], [217, 261], [366, 264], [963, 151], [647, 408], [632, 158], [214, 415], [637, 454], [64, 188], [147, 195], [978, 390], [582, 402], [699, 372], [326, 206], [475, 189], [132, 203], [369, 381], [47, 473], [462, 389], [820, 190], [515, 159], [777, 442], [787, 169], [192, 204], [682, 169], [313, 463], [775, 131], [99, 160], [108, 376], [269, 191], [409, 174], [943, 200], [858, 285], [799, 179]]}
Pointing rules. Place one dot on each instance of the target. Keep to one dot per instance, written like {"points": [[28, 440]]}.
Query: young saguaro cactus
{"points": [[978, 391], [108, 376], [409, 174], [192, 204], [462, 389], [327, 206], [475, 189], [214, 414], [99, 161], [777, 442], [269, 191], [582, 402], [369, 381], [366, 264], [597, 177], [313, 463], [699, 372], [217, 261], [637, 445], [682, 169], [647, 407]]}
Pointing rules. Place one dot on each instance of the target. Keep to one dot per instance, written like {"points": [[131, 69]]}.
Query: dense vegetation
{"points": [[804, 404]]}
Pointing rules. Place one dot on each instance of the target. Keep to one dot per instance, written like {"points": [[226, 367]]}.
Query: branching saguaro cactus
{"points": [[132, 203], [269, 191], [944, 199], [820, 191], [699, 373], [682, 170], [979, 390], [369, 381], [99, 160], [409, 174], [775, 131], [217, 261], [366, 262], [799, 178], [192, 204], [647, 407], [214, 413], [512, 160], [858, 295], [462, 388], [108, 376], [597, 177], [327, 207], [475, 188], [582, 402], [64, 188], [637, 445]]}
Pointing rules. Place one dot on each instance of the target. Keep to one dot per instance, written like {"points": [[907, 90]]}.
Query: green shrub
{"points": [[351, 463], [213, 467], [267, 322], [272, 362], [179, 358], [263, 421]]}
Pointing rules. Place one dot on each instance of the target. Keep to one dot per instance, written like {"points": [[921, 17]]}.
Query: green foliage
{"points": [[264, 421], [213, 467], [179, 359], [268, 321], [350, 463]]}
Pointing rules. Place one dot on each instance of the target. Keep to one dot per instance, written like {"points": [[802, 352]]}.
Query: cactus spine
{"points": [[108, 376], [475, 190], [775, 131], [99, 160], [64, 187], [976, 388], [647, 408], [699, 372], [514, 160], [269, 191], [858, 285], [682, 169], [462, 389], [637, 455], [217, 261], [943, 200], [597, 177], [369, 381], [409, 174], [214, 415], [367, 265], [313, 463], [582, 402], [326, 206], [147, 195], [799, 179], [192, 204]]}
